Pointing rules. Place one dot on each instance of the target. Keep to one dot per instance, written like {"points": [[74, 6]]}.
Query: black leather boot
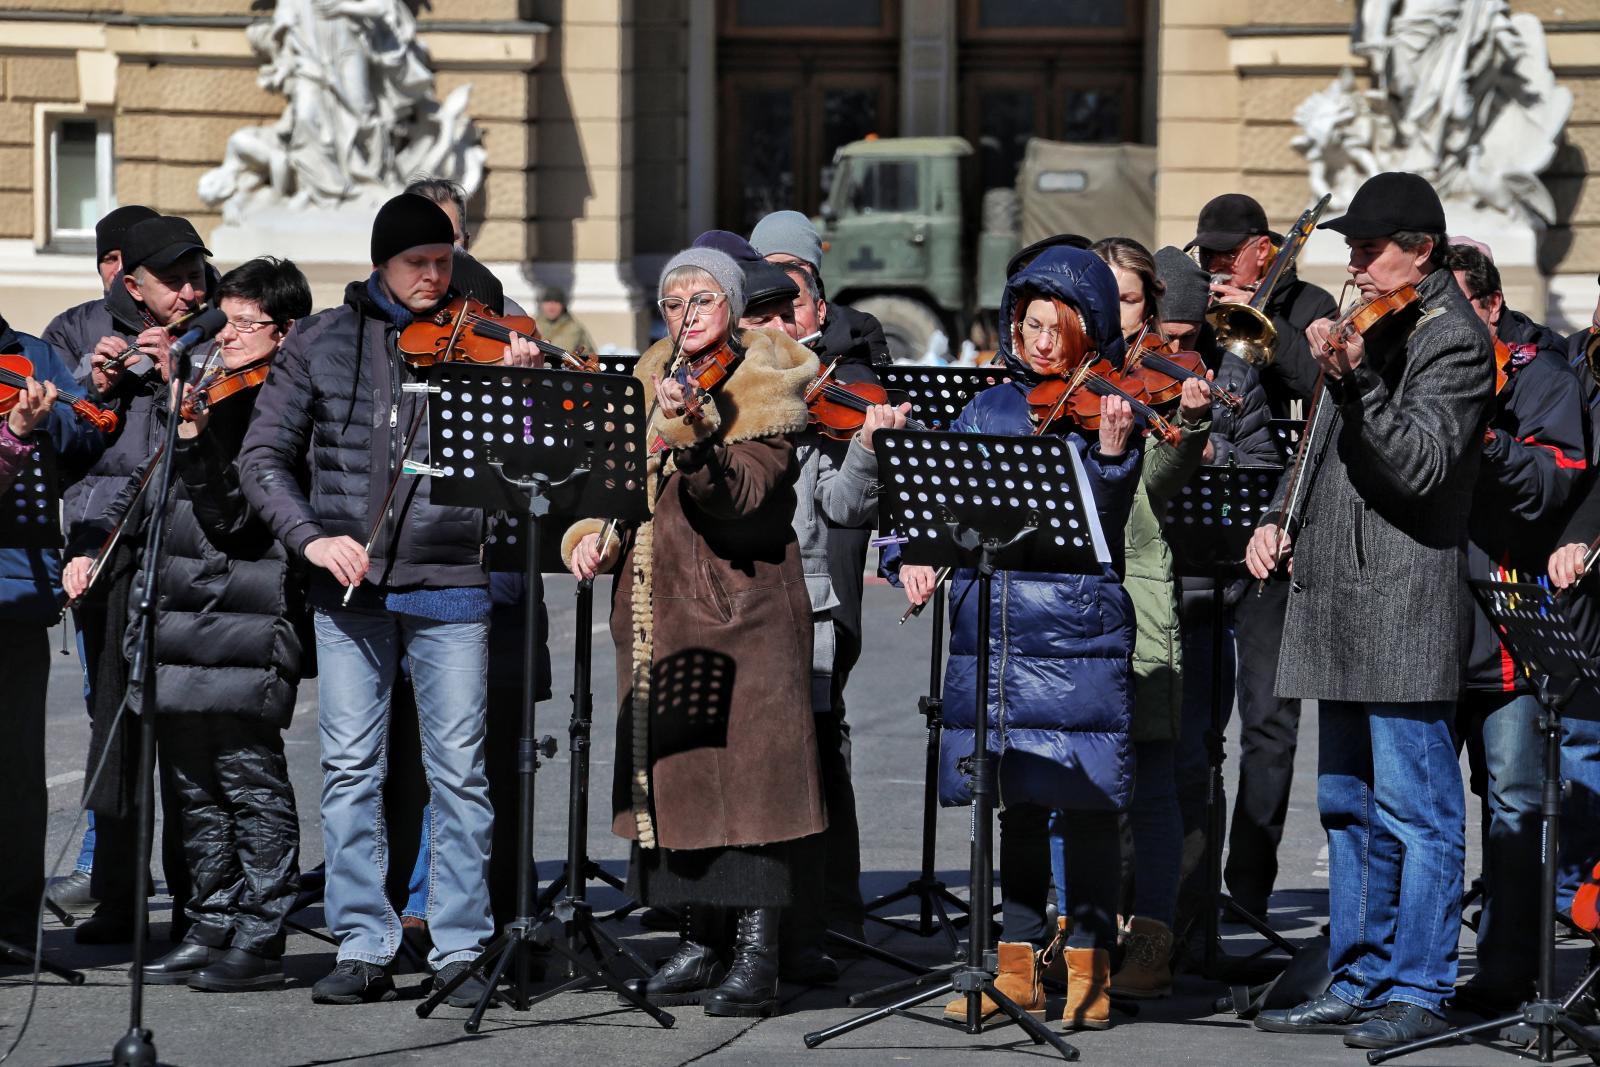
{"points": [[696, 965], [751, 987]]}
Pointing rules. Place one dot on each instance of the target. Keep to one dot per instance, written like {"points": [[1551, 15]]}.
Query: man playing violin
{"points": [[1533, 457], [1373, 527], [837, 487], [417, 588], [231, 613], [164, 278]]}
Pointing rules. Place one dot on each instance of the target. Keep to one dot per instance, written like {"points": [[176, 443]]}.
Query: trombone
{"points": [[1245, 329]]}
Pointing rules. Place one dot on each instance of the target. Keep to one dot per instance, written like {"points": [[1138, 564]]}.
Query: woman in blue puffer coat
{"points": [[1060, 656]]}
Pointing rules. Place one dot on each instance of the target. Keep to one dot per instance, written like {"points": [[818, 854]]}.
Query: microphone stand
{"points": [[137, 1047]]}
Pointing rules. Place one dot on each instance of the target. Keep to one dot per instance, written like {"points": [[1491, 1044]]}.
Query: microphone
{"points": [[204, 327]]}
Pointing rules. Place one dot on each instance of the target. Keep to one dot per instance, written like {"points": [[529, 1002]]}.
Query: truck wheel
{"points": [[907, 324]]}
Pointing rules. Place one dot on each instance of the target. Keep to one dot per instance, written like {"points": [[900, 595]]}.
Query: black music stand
{"points": [[1286, 436], [515, 439], [1208, 524], [988, 503], [30, 517], [617, 364], [1534, 629]]}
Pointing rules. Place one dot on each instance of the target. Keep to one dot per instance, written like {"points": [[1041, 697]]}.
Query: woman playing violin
{"points": [[1060, 653], [717, 767], [228, 654]]}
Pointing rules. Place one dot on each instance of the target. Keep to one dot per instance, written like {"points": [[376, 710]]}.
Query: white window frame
{"points": [[105, 175]]}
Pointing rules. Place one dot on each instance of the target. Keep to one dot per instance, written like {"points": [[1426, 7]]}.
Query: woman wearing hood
{"points": [[716, 774], [1060, 657]]}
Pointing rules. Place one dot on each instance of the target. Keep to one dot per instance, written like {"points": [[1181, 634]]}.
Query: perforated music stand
{"points": [[986, 503], [1207, 525], [1286, 436], [618, 364], [937, 396], [1534, 629], [519, 439]]}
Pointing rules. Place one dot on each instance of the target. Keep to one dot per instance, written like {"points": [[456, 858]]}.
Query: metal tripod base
{"points": [[24, 956], [136, 1049], [552, 933], [592, 872], [935, 902], [975, 984]]}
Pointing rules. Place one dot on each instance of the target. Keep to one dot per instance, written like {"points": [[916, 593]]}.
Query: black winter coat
{"points": [[335, 392], [1293, 372], [228, 639], [75, 332]]}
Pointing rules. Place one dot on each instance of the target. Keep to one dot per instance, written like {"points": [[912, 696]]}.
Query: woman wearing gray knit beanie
{"points": [[716, 771]]}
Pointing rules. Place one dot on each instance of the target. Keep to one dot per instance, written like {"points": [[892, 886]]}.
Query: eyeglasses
{"points": [[244, 327], [1032, 329], [672, 306]]}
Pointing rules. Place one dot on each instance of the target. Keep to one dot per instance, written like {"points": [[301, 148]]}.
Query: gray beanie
{"points": [[1188, 292], [789, 232], [729, 277]]}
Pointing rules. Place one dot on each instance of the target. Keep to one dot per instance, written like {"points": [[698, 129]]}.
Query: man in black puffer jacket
{"points": [[165, 276], [75, 332], [419, 591], [228, 660]]}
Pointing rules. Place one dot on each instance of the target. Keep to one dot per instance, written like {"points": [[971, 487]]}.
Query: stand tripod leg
{"points": [[28, 959], [881, 955], [914, 982], [495, 954], [1041, 1034], [556, 940], [518, 999], [818, 1037]]}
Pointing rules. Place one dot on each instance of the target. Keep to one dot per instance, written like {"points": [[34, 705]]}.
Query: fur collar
{"points": [[765, 395]]}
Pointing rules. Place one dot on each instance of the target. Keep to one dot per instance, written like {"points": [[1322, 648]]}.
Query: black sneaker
{"points": [[469, 992], [1395, 1024], [1324, 1014], [354, 982]]}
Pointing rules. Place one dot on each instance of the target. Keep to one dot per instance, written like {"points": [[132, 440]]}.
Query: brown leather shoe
{"points": [[1019, 979]]}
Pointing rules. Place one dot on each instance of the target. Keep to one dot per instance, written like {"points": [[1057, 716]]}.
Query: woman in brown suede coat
{"points": [[716, 773]]}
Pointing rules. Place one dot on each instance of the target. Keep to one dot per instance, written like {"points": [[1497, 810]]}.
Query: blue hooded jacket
{"points": [[1061, 645], [30, 578]]}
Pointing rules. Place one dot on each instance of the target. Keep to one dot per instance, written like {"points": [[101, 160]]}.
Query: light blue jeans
{"points": [[1389, 790], [358, 658]]}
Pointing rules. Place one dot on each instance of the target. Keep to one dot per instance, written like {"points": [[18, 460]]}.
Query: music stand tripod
{"points": [[989, 503], [1208, 524], [506, 438], [1535, 631], [937, 396]]}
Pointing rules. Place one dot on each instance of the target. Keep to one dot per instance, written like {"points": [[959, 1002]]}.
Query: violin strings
{"points": [[20, 381]]}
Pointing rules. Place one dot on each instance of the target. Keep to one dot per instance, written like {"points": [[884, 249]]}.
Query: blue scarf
{"points": [[398, 314]]}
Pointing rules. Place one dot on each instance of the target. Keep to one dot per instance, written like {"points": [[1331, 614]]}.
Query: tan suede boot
{"points": [[1146, 962], [1054, 957], [1018, 979], [1088, 990]]}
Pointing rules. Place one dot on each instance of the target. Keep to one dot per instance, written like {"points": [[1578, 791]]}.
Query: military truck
{"points": [[908, 236]]}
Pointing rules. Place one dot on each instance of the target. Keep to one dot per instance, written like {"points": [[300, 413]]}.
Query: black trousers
{"points": [[1092, 844], [1269, 729], [25, 664], [241, 834], [847, 556]]}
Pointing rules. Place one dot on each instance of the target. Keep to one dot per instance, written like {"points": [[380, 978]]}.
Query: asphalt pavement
{"points": [[78, 1024]]}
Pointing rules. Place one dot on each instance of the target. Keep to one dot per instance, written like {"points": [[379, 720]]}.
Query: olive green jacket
{"points": [[1158, 649]]}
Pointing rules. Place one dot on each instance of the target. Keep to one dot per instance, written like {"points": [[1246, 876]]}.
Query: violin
{"points": [[1379, 312], [1162, 366], [15, 370], [465, 330], [220, 385], [839, 409], [701, 374], [1078, 399]]}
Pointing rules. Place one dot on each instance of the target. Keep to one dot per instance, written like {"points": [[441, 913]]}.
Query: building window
{"points": [[80, 176]]}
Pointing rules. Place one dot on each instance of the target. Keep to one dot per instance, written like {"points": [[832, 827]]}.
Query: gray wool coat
{"points": [[843, 491], [1378, 604]]}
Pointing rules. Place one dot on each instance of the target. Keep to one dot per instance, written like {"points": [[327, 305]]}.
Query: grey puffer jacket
{"points": [[845, 494], [1378, 603], [335, 394]]}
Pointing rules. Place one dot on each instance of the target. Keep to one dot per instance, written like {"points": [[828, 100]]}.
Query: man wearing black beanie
{"points": [[412, 585]]}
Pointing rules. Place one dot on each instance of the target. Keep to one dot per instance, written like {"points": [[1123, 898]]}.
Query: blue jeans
{"points": [[1157, 832], [1580, 803], [1505, 749], [1389, 789], [417, 889], [358, 656], [85, 864]]}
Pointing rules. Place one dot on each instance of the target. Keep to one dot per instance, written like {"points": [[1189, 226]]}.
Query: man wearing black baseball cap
{"points": [[1379, 617], [412, 586], [1235, 246]]}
